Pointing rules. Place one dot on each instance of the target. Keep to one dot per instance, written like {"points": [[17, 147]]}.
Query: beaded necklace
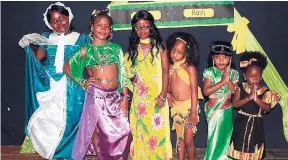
{"points": [[102, 60]]}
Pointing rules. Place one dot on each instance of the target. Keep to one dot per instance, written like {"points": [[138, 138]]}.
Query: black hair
{"points": [[221, 47], [62, 11], [218, 48], [192, 49], [92, 19], [260, 60], [155, 37]]}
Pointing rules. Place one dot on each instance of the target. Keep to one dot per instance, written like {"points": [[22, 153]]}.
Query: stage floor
{"points": [[10, 152]]}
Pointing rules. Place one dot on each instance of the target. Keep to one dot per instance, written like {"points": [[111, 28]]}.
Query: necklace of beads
{"points": [[102, 60]]}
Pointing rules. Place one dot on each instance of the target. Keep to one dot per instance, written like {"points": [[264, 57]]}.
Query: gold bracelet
{"points": [[235, 87], [164, 99], [82, 83], [125, 94]]}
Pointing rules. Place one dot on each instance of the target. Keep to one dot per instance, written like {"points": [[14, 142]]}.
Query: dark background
{"points": [[268, 23]]}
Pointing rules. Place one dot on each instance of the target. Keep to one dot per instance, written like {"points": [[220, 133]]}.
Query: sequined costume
{"points": [[100, 111]]}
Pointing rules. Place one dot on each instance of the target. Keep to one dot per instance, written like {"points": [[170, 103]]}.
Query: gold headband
{"points": [[96, 12], [178, 38]]}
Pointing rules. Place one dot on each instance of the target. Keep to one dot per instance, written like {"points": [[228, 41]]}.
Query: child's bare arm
{"points": [[208, 88], [124, 103], [169, 82], [233, 82], [39, 53], [89, 71], [232, 86], [66, 67], [165, 72], [169, 94], [269, 100], [266, 107], [160, 100], [194, 93]]}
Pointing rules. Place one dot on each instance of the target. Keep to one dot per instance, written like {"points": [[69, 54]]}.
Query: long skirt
{"points": [[220, 127], [101, 113], [248, 138]]}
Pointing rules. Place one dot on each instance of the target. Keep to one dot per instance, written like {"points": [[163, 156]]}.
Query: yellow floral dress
{"points": [[150, 126]]}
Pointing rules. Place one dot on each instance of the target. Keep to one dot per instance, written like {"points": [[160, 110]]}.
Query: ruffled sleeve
{"points": [[208, 74], [234, 76], [271, 97], [77, 65], [130, 71], [46, 35]]}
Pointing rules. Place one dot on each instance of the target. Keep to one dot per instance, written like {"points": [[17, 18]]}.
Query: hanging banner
{"points": [[175, 14]]}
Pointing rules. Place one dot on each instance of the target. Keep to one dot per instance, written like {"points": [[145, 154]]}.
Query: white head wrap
{"points": [[61, 38], [58, 4]]}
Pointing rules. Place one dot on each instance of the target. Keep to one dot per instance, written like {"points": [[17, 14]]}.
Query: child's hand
{"points": [[252, 95], [255, 98], [24, 41], [160, 102], [91, 80], [133, 80], [170, 99], [124, 105], [193, 120], [225, 76]]}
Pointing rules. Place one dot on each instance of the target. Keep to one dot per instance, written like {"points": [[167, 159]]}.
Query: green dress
{"points": [[219, 116]]}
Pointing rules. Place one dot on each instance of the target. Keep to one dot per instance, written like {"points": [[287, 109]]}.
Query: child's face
{"points": [[59, 22], [221, 61], [142, 28], [253, 75], [101, 27], [178, 51]]}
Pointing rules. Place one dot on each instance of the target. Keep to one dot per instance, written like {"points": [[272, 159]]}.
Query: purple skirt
{"points": [[100, 113]]}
